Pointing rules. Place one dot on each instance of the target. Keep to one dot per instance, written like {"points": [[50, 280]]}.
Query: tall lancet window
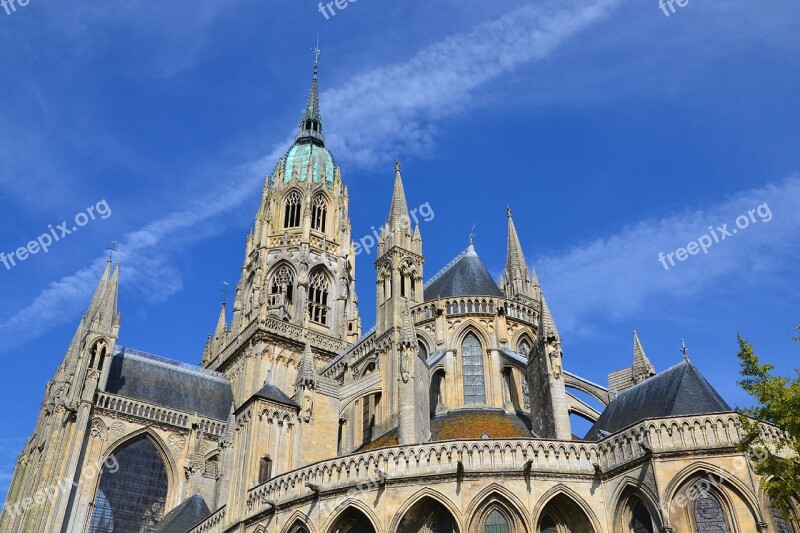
{"points": [[132, 493], [472, 370], [709, 515], [525, 349], [282, 287], [318, 298], [319, 213], [291, 212]]}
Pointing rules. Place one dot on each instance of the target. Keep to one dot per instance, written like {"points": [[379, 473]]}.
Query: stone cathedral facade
{"points": [[453, 414]]}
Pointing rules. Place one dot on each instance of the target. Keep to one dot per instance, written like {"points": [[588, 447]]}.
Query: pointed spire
{"points": [[516, 266], [102, 315], [306, 371], [221, 329], [642, 367], [311, 121], [548, 326], [534, 278], [398, 213]]}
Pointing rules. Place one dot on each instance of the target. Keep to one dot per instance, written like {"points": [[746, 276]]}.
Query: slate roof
{"points": [[169, 383], [678, 391], [273, 393], [185, 516], [465, 276]]}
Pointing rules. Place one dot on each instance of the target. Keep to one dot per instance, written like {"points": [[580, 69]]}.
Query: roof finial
{"points": [[112, 248], [508, 211], [224, 290], [684, 350], [317, 53], [472, 235]]}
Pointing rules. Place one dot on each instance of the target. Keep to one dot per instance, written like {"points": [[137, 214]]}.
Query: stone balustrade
{"points": [[475, 305], [154, 413]]}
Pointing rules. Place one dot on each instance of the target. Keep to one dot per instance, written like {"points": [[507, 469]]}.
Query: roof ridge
{"points": [[169, 363], [450, 265], [673, 367]]}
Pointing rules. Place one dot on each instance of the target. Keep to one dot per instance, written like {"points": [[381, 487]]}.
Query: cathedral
{"points": [[452, 414]]}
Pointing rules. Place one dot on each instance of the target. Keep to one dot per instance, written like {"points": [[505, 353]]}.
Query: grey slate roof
{"points": [[466, 276], [185, 516], [273, 393], [168, 383], [678, 391]]}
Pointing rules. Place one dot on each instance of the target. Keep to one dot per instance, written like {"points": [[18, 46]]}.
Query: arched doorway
{"points": [[132, 493], [562, 514]]}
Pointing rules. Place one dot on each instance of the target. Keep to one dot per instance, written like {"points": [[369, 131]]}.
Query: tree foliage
{"points": [[778, 403]]}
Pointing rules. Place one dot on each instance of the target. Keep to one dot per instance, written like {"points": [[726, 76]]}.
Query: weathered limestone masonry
{"points": [[453, 414]]}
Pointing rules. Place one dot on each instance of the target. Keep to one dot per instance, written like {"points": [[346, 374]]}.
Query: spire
{"points": [[221, 329], [398, 213], [515, 260], [642, 368], [548, 326], [102, 315], [311, 121], [306, 372]]}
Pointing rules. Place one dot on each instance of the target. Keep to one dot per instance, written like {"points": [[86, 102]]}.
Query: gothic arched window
{"points": [[132, 494], [524, 347], [641, 521], [496, 523], [291, 212], [709, 515], [318, 298], [319, 213], [472, 370], [282, 286], [97, 355]]}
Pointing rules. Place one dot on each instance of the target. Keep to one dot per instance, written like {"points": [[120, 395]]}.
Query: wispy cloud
{"points": [[398, 104], [616, 276]]}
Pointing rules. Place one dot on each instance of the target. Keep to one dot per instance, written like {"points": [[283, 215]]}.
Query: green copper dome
{"points": [[302, 156]]}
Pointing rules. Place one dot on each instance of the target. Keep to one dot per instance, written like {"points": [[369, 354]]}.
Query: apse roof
{"points": [[677, 391], [184, 517], [466, 275]]}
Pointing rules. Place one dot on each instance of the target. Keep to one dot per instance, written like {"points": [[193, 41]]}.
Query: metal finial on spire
{"points": [[224, 290], [112, 248], [508, 211], [317, 52], [684, 350], [472, 234]]}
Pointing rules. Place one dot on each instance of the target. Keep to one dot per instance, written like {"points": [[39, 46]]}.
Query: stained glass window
{"points": [[709, 515], [641, 521], [496, 523], [781, 524], [132, 496], [472, 370]]}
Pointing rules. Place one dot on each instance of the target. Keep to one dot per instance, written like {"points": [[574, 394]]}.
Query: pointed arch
{"points": [[319, 212], [299, 522], [427, 508], [687, 497], [320, 283], [567, 508], [630, 494], [133, 488], [493, 506], [282, 284], [292, 208], [473, 370], [352, 516]]}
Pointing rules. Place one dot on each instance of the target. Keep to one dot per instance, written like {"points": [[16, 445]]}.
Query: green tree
{"points": [[778, 403]]}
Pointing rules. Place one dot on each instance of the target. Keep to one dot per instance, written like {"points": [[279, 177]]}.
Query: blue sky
{"points": [[613, 131]]}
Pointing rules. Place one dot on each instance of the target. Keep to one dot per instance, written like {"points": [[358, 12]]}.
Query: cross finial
{"points": [[472, 234], [684, 350], [112, 248], [224, 290], [317, 51]]}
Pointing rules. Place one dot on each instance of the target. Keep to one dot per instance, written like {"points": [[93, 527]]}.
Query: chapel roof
{"points": [[466, 275], [186, 515]]}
